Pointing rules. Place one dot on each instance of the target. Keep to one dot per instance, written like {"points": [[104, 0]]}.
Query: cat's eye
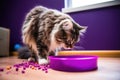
{"points": [[59, 40], [66, 24]]}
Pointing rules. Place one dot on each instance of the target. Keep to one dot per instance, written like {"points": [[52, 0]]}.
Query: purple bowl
{"points": [[73, 63]]}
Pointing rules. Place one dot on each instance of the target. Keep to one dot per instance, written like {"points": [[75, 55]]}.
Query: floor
{"points": [[108, 69]]}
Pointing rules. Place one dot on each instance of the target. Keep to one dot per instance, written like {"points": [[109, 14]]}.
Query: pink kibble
{"points": [[39, 68], [1, 69], [24, 68], [46, 71], [43, 69], [23, 72], [17, 69]]}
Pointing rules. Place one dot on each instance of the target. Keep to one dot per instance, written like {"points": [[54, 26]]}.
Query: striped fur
{"points": [[43, 29]]}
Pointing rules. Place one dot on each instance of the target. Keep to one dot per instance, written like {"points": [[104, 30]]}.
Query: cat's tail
{"points": [[30, 28], [24, 53]]}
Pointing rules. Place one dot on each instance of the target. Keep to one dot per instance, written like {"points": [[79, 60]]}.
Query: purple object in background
{"points": [[73, 63]]}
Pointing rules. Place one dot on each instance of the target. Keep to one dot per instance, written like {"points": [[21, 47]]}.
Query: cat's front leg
{"points": [[43, 61], [32, 57], [42, 47], [42, 57]]}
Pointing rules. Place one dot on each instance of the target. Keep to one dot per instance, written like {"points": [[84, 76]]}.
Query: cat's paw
{"points": [[31, 59], [42, 61]]}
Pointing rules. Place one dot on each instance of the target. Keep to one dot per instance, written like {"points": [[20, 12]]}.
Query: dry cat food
{"points": [[24, 65]]}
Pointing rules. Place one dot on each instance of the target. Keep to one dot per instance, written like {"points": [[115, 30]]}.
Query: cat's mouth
{"points": [[65, 47]]}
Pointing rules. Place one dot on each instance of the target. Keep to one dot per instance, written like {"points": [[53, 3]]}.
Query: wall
{"points": [[103, 24], [103, 31]]}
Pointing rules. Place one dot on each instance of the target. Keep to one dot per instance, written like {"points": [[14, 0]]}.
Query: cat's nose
{"points": [[69, 47]]}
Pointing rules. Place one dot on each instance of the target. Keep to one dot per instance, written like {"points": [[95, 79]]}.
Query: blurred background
{"points": [[103, 23]]}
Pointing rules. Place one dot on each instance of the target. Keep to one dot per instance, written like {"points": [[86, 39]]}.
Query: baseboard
{"points": [[100, 53]]}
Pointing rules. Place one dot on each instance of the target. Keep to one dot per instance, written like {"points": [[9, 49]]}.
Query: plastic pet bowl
{"points": [[73, 63]]}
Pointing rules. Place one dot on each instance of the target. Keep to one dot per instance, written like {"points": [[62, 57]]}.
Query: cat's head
{"points": [[68, 33]]}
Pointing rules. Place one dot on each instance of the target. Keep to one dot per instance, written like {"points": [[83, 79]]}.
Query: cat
{"points": [[45, 31]]}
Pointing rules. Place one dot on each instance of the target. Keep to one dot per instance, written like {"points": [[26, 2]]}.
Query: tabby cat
{"points": [[45, 31]]}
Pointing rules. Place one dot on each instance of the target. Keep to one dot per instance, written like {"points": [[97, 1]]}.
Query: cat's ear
{"points": [[82, 28], [79, 27]]}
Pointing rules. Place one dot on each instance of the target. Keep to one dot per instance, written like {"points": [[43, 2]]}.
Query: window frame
{"points": [[89, 7]]}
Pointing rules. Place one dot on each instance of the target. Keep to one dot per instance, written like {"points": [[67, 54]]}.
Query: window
{"points": [[80, 5]]}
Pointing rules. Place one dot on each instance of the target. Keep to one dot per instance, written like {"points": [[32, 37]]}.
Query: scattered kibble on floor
{"points": [[24, 65], [1, 69]]}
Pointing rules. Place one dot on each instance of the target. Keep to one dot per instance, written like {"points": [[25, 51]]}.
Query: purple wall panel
{"points": [[103, 28]]}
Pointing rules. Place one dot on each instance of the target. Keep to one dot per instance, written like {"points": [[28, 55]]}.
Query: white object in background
{"points": [[4, 41]]}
